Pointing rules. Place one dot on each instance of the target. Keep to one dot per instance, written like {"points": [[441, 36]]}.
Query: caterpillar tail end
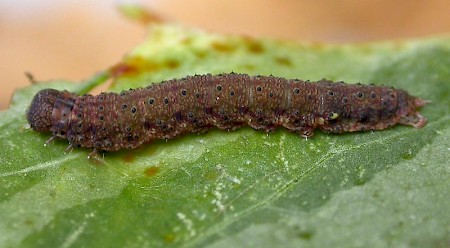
{"points": [[413, 116]]}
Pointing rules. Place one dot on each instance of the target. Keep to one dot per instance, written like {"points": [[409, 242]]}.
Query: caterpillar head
{"points": [[50, 111]]}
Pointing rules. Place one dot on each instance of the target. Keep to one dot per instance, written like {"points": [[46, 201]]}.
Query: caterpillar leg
{"points": [[68, 149], [95, 157], [266, 127], [416, 120], [306, 132], [49, 140]]}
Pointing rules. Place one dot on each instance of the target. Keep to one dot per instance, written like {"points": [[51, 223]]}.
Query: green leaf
{"points": [[245, 188]]}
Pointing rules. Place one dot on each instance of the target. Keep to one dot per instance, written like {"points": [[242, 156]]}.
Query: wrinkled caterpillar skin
{"points": [[110, 121]]}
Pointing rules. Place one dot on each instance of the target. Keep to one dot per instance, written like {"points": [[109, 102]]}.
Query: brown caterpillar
{"points": [[111, 121]]}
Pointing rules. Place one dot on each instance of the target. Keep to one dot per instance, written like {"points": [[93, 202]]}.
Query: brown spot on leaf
{"points": [[223, 47], [283, 61], [140, 14], [172, 64], [133, 66], [122, 69], [129, 157], [254, 46], [151, 171], [200, 54]]}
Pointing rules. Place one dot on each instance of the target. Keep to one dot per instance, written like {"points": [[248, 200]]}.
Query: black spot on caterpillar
{"points": [[110, 121]]}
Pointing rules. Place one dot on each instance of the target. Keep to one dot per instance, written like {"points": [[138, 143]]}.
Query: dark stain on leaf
{"points": [[151, 171], [283, 61], [129, 157], [223, 47], [172, 64], [200, 54], [254, 46], [133, 66]]}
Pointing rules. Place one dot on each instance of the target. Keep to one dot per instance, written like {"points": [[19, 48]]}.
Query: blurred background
{"points": [[73, 39]]}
